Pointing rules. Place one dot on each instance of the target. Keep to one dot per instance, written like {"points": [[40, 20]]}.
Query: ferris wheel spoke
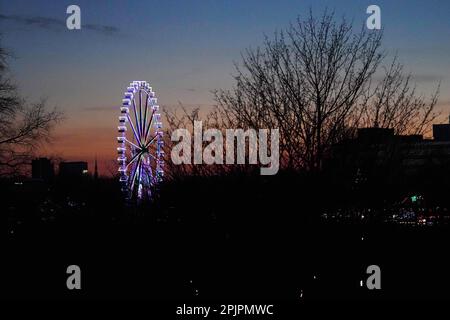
{"points": [[149, 125], [140, 113], [131, 183], [139, 176], [131, 143], [135, 171], [151, 140], [144, 128], [151, 155], [134, 129], [133, 159], [136, 118]]}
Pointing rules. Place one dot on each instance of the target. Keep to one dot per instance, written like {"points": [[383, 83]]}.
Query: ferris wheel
{"points": [[140, 150]]}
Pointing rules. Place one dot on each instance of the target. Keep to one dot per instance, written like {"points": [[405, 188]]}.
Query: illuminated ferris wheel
{"points": [[140, 150]]}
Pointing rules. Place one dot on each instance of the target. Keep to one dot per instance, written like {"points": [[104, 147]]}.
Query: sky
{"points": [[185, 49]]}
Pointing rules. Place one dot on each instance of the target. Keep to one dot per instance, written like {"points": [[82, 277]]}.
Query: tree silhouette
{"points": [[22, 126], [315, 81], [394, 103]]}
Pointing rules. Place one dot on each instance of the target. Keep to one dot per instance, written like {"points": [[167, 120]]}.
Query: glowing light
{"points": [[141, 156]]}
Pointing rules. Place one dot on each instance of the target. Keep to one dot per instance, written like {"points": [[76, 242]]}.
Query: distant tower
{"points": [[95, 169]]}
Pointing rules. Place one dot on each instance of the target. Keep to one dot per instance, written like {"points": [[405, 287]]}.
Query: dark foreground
{"points": [[214, 240]]}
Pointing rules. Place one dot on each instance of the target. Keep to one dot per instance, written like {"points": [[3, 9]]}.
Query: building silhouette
{"points": [[75, 169], [379, 152], [42, 169], [441, 132]]}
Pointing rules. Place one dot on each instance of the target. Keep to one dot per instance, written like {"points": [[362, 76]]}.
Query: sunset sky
{"points": [[184, 49]]}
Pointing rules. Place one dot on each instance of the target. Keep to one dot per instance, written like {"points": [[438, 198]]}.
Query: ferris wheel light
{"points": [[139, 168]]}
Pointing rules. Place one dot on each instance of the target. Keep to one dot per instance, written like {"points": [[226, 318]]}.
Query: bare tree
{"points": [[314, 81], [184, 118], [22, 126], [394, 103]]}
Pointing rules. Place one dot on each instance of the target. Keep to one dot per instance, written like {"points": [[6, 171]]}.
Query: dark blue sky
{"points": [[184, 48]]}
